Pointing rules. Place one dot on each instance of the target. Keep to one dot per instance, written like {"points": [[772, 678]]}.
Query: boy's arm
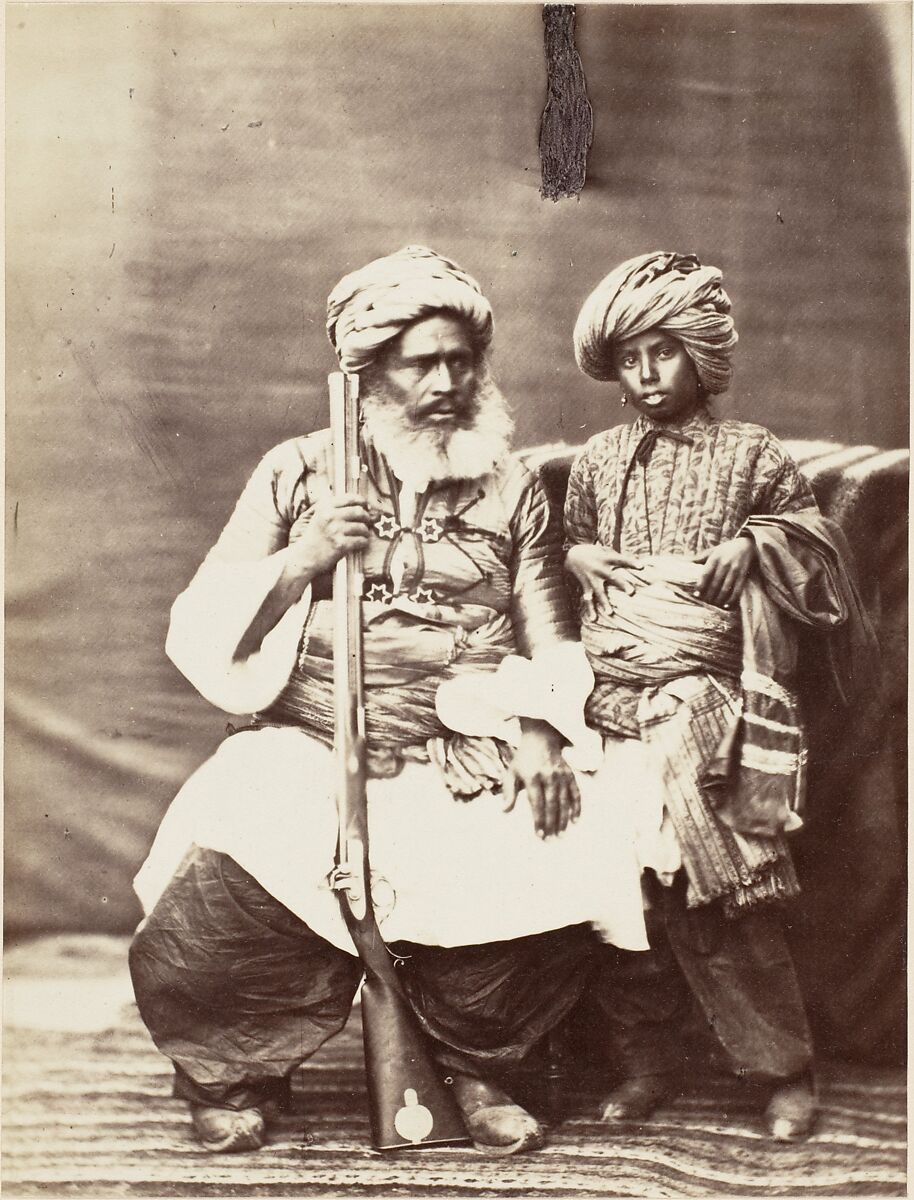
{"points": [[779, 487], [591, 565]]}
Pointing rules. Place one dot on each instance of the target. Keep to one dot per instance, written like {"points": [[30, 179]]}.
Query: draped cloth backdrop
{"points": [[186, 183]]}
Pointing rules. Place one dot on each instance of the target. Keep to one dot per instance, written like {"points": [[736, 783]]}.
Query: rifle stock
{"points": [[409, 1102]]}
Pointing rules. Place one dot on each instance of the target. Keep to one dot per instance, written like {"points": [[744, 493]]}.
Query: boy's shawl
{"points": [[718, 701]]}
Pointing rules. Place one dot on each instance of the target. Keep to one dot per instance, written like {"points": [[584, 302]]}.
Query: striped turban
{"points": [[371, 306], [670, 292]]}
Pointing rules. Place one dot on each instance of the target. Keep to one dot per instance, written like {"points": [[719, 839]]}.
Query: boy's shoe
{"points": [[637, 1098], [228, 1130], [495, 1123], [791, 1111]]}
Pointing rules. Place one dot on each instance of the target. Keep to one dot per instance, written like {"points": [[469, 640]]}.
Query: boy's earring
{"points": [[624, 399]]}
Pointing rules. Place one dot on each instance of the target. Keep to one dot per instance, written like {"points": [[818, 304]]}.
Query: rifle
{"points": [[409, 1102]]}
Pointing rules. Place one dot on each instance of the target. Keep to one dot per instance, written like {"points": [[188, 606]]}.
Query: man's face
{"points": [[431, 372], [657, 375]]}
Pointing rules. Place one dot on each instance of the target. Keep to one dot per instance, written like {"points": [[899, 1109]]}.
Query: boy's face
{"points": [[658, 376]]}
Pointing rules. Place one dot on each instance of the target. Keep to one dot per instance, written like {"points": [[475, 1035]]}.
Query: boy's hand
{"points": [[727, 568], [596, 568]]}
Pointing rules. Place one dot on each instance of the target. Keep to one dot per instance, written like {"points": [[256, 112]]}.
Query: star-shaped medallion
{"points": [[430, 529], [379, 593], [423, 595], [386, 526]]}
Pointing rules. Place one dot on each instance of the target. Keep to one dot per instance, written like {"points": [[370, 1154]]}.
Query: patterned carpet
{"points": [[87, 1112]]}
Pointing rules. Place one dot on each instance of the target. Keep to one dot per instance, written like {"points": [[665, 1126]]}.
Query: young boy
{"points": [[699, 551]]}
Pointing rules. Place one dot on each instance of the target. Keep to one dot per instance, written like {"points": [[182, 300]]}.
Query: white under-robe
{"points": [[447, 872]]}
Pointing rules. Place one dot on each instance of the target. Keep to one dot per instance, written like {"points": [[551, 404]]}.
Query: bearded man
{"points": [[475, 688]]}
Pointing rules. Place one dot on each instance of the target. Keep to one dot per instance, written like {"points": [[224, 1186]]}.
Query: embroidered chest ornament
{"points": [[380, 593], [430, 529]]}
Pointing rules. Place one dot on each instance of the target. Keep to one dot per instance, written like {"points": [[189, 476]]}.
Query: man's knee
{"points": [[216, 939], [500, 994]]}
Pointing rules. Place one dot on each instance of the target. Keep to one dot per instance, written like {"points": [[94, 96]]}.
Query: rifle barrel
{"points": [[348, 688], [409, 1103]]}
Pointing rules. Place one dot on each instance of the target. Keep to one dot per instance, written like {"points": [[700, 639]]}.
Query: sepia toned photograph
{"points": [[457, 473]]}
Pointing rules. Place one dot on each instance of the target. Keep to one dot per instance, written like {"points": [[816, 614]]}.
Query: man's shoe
{"points": [[495, 1123], [637, 1098], [228, 1130], [791, 1111]]}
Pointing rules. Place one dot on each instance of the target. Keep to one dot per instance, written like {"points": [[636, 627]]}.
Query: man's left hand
{"points": [[539, 769], [727, 568]]}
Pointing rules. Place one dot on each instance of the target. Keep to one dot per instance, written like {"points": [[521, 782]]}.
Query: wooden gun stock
{"points": [[409, 1102]]}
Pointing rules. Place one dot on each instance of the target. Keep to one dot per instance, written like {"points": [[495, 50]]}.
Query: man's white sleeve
{"points": [[209, 620]]}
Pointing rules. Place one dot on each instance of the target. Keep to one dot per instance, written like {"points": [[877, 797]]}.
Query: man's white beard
{"points": [[421, 456]]}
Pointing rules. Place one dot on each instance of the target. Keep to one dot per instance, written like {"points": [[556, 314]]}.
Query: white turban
{"points": [[671, 292], [371, 306]]}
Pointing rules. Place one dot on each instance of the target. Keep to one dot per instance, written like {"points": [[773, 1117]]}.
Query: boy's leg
{"points": [[741, 972], [237, 992]]}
